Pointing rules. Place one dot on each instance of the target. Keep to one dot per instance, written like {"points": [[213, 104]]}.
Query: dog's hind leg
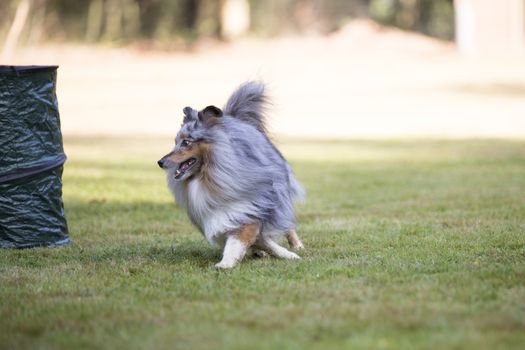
{"points": [[237, 244], [276, 250], [294, 241]]}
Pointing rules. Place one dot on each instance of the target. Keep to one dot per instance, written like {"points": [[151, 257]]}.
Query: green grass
{"points": [[410, 245]]}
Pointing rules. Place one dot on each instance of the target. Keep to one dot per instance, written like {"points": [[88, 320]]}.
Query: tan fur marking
{"points": [[181, 156], [211, 185], [248, 234], [293, 240], [195, 150]]}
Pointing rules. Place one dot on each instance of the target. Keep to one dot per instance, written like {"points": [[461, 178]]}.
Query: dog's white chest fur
{"points": [[213, 217]]}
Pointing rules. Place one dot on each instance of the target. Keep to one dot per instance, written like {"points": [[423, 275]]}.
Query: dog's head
{"points": [[192, 144]]}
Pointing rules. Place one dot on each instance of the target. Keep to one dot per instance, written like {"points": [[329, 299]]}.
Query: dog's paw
{"points": [[298, 246], [292, 256], [224, 265]]}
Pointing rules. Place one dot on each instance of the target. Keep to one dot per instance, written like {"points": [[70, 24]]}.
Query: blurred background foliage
{"points": [[171, 23]]}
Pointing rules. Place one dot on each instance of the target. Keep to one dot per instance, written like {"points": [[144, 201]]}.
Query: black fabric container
{"points": [[31, 159]]}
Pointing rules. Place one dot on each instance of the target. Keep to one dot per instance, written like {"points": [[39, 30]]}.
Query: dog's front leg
{"points": [[237, 245]]}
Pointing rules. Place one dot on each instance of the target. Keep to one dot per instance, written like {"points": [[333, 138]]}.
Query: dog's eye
{"points": [[185, 143]]}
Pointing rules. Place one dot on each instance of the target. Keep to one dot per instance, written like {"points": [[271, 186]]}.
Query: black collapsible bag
{"points": [[31, 159]]}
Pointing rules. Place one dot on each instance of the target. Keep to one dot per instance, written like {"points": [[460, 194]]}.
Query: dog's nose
{"points": [[161, 163]]}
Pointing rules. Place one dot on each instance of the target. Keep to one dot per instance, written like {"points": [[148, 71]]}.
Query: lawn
{"points": [[410, 244]]}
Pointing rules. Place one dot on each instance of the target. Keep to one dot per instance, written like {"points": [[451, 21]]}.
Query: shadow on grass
{"points": [[143, 251], [153, 251], [114, 231], [146, 215]]}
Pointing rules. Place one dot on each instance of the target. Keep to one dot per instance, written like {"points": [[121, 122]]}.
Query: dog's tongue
{"points": [[184, 166]]}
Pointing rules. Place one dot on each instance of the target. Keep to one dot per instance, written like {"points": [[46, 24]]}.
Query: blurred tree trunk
{"points": [[235, 18], [16, 28], [209, 19], [406, 14], [425, 15], [113, 20], [190, 8], [38, 20], [113, 14], [131, 17], [94, 20]]}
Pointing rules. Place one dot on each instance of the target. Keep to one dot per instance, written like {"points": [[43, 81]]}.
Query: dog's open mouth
{"points": [[184, 167]]}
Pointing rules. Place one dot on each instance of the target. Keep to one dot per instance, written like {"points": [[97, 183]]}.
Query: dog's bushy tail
{"points": [[248, 103]]}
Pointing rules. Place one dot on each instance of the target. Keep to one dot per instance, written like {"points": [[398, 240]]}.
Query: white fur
{"points": [[234, 251], [215, 220], [176, 188], [276, 250]]}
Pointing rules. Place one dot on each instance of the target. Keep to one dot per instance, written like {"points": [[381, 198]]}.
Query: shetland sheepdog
{"points": [[235, 185]]}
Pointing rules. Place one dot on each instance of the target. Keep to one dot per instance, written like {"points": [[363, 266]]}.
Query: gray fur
{"points": [[254, 181], [248, 103]]}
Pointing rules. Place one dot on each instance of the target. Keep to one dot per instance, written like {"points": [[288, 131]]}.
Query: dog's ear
{"points": [[188, 114], [210, 115]]}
